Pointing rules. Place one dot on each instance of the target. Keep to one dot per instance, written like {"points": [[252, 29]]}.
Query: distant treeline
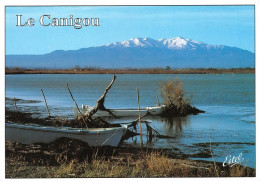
{"points": [[89, 70]]}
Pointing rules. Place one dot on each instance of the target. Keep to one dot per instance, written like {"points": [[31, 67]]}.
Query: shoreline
{"points": [[71, 158], [44, 161], [118, 71]]}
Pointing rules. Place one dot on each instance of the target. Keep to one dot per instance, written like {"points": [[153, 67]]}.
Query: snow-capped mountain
{"points": [[176, 52], [137, 42], [181, 43], [173, 43]]}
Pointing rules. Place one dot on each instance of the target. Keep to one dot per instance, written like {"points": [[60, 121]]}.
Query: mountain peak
{"points": [[178, 38], [172, 43]]}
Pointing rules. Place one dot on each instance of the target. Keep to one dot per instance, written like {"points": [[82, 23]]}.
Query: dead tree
{"points": [[101, 101]]}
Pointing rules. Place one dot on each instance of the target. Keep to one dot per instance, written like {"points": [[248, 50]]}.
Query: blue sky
{"points": [[217, 25]]}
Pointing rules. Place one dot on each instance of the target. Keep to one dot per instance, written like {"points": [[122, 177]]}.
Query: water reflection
{"points": [[175, 125]]}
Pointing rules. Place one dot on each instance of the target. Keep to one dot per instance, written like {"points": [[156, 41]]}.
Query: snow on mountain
{"points": [[181, 43], [173, 43], [136, 42]]}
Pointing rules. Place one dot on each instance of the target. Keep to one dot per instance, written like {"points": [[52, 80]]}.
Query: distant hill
{"points": [[141, 52]]}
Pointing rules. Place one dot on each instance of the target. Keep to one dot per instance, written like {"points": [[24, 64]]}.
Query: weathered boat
{"points": [[157, 110], [33, 133]]}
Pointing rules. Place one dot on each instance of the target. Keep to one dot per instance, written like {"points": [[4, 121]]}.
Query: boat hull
{"points": [[126, 112], [120, 113], [29, 134]]}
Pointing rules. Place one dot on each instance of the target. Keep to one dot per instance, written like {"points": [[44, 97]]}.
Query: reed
{"points": [[153, 163]]}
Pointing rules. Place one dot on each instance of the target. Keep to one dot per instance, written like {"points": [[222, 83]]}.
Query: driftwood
{"points": [[151, 132], [77, 106], [15, 105], [134, 123], [101, 101], [46, 103], [139, 117]]}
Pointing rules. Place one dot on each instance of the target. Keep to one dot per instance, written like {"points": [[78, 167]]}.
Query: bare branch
{"points": [[101, 101], [76, 105]]}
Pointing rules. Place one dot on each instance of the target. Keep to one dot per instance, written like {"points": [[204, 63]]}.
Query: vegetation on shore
{"points": [[44, 161], [173, 96], [155, 70]]}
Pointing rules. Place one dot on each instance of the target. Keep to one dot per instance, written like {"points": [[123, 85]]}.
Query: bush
{"points": [[173, 96], [172, 92]]}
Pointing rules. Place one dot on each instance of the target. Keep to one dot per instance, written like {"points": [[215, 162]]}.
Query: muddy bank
{"points": [[69, 158], [173, 110]]}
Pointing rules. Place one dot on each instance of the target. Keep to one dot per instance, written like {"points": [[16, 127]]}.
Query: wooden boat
{"points": [[33, 133], [157, 110]]}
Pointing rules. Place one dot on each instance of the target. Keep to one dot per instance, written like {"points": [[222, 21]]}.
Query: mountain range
{"points": [[176, 52]]}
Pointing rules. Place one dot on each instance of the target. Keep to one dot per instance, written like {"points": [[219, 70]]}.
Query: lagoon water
{"points": [[227, 128]]}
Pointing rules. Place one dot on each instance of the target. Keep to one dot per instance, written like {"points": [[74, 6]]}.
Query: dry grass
{"points": [[142, 164]]}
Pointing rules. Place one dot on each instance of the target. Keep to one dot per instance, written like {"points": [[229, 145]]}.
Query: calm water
{"points": [[229, 102]]}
